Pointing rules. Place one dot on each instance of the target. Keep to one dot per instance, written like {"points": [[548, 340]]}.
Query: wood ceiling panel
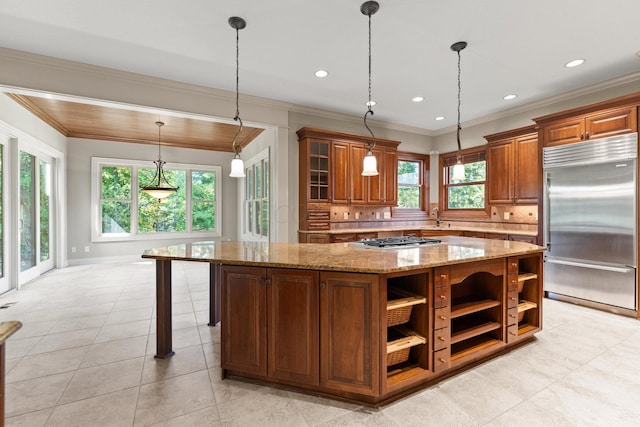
{"points": [[78, 120]]}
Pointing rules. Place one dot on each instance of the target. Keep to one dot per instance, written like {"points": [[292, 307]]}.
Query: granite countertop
{"points": [[7, 329], [424, 227], [348, 257]]}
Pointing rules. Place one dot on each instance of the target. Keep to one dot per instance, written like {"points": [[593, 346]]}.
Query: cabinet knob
{"points": [[586, 135], [322, 285]]}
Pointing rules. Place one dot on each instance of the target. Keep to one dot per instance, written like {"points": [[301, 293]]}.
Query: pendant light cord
{"points": [[237, 116], [369, 110], [459, 127], [159, 127]]}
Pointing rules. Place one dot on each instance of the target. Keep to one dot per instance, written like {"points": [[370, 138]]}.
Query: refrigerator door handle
{"points": [[586, 265]]}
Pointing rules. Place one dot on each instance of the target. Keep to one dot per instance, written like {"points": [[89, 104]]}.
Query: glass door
{"points": [[4, 281], [34, 216]]}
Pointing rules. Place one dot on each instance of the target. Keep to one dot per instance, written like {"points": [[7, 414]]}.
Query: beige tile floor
{"points": [[84, 357]]}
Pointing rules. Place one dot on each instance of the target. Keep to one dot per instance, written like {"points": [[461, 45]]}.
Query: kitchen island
{"points": [[362, 324]]}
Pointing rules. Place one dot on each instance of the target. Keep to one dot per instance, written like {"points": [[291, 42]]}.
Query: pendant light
{"points": [[458, 169], [370, 166], [159, 188], [237, 165]]}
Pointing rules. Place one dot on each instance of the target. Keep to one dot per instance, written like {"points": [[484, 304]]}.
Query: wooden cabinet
{"points": [[383, 189], [270, 322], [524, 297], [513, 167], [591, 126], [349, 338], [475, 292]]}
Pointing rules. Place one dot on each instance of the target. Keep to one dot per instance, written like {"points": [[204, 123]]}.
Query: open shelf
{"points": [[474, 331], [472, 346], [471, 304], [525, 328]]}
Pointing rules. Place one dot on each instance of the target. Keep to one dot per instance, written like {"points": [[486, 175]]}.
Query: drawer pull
{"points": [[513, 316], [443, 297], [443, 276], [441, 338], [513, 333], [514, 299], [514, 264], [443, 318], [442, 360]]}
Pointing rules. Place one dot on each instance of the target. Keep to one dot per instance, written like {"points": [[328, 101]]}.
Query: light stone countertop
{"points": [[347, 257]]}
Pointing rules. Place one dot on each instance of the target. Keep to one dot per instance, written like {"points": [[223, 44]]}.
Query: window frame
{"points": [[247, 232], [135, 235], [424, 160], [469, 155]]}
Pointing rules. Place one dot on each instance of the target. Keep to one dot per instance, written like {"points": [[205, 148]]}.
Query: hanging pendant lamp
{"points": [[237, 165], [458, 169], [370, 166], [159, 188]]}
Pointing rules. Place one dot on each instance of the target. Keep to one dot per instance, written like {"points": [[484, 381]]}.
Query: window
{"points": [[122, 212], [412, 175], [256, 198], [469, 194]]}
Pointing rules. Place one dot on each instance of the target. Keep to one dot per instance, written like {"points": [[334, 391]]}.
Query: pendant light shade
{"points": [[159, 188], [458, 169], [370, 165], [237, 165]]}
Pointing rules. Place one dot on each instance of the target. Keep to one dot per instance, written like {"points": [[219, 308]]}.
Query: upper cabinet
{"points": [[513, 172], [608, 118], [331, 169]]}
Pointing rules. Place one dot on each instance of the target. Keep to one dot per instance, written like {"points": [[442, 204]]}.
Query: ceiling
{"points": [[514, 47]]}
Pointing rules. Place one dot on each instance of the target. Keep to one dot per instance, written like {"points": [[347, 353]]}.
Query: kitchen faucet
{"points": [[436, 212]]}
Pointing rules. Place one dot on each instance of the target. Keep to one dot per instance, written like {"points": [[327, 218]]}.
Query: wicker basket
{"points": [[523, 306], [398, 347], [399, 309]]}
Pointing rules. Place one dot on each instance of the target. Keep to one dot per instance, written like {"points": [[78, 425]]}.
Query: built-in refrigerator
{"points": [[590, 222]]}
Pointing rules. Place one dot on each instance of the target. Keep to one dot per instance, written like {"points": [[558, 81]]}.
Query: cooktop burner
{"points": [[386, 242]]}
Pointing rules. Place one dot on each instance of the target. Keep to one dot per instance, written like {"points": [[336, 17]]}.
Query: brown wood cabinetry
{"points": [[596, 125], [524, 297], [270, 322], [513, 167], [331, 174], [349, 343]]}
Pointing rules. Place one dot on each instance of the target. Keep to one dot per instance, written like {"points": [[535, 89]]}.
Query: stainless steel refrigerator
{"points": [[590, 222]]}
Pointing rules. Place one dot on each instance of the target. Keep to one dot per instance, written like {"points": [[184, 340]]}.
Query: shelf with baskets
{"points": [[524, 298], [407, 329]]}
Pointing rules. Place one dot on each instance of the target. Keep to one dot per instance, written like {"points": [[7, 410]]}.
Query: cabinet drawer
{"points": [[339, 238], [512, 332], [512, 282], [512, 265], [314, 226], [441, 296], [441, 317], [441, 359], [441, 277], [512, 298], [442, 338], [512, 315], [318, 215]]}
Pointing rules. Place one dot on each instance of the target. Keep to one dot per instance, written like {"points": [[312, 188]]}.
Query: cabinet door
{"points": [[527, 170], [500, 172], [358, 182], [293, 325], [564, 132], [340, 176], [376, 184], [349, 337], [244, 319], [317, 238], [611, 123]]}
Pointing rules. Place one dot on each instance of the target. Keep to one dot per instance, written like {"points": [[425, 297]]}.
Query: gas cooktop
{"points": [[389, 242]]}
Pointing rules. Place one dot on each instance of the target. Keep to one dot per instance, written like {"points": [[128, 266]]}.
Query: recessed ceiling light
{"points": [[574, 63], [321, 73], [439, 118], [510, 96], [370, 103], [417, 99]]}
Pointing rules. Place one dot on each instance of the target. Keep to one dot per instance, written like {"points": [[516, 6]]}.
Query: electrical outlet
{"points": [[86, 248], [506, 215], [73, 249], [345, 215]]}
